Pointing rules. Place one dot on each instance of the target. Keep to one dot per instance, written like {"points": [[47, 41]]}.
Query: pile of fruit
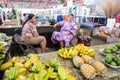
{"points": [[80, 49], [1, 47], [88, 66], [112, 60], [31, 68], [2, 56], [113, 49]]}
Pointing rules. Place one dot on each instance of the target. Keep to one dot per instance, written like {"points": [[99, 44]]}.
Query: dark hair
{"points": [[30, 16], [13, 11], [24, 14], [71, 15]]}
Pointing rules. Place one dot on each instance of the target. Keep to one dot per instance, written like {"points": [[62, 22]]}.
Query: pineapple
{"points": [[77, 61], [100, 67], [87, 59], [88, 71]]}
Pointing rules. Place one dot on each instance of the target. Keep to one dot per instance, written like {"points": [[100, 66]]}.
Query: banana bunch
{"points": [[91, 52], [67, 52], [80, 49]]}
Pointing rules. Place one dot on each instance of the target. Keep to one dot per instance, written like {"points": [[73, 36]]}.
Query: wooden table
{"points": [[44, 28], [111, 74]]}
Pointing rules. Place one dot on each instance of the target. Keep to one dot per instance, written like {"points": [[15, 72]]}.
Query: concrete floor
{"points": [[95, 41]]}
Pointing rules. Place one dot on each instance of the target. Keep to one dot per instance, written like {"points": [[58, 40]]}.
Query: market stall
{"points": [[111, 73]]}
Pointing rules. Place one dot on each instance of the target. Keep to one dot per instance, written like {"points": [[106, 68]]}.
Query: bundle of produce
{"points": [[2, 57], [112, 60], [79, 49], [89, 70], [1, 47], [67, 52], [31, 68], [114, 49]]}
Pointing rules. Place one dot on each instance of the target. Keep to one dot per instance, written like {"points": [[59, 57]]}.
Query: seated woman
{"points": [[67, 32], [30, 35]]}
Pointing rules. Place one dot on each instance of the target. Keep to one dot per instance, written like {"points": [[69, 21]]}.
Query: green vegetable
{"points": [[117, 44], [108, 59], [2, 56], [1, 61], [12, 73], [113, 63], [118, 61]]}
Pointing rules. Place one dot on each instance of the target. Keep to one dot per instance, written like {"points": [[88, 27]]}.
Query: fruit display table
{"points": [[111, 74]]}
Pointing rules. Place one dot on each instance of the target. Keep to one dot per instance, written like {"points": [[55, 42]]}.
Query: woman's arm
{"points": [[34, 32], [55, 25], [61, 23], [73, 29]]}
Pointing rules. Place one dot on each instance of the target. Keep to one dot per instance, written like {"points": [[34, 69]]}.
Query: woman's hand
{"points": [[68, 33], [29, 35], [55, 25]]}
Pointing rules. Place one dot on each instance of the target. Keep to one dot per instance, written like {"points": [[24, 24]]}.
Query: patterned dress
{"points": [[29, 30], [66, 26]]}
